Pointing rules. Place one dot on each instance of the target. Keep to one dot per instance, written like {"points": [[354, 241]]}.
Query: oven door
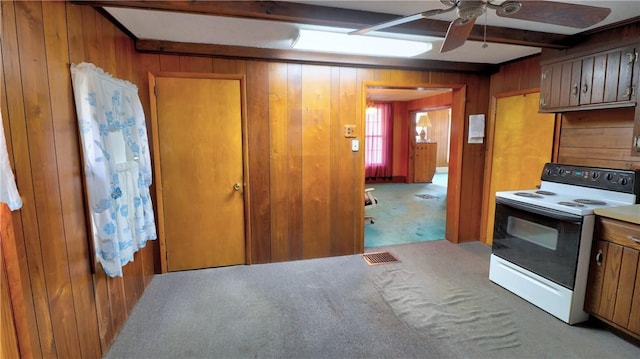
{"points": [[541, 240]]}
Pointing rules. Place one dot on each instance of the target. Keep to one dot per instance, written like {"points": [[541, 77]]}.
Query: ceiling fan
{"points": [[548, 12]]}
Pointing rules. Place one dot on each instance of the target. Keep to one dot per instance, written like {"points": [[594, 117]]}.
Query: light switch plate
{"points": [[355, 145]]}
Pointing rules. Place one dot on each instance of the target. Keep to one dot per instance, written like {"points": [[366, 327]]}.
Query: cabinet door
{"points": [[612, 74], [545, 86], [596, 276], [576, 78], [566, 86], [628, 60], [425, 162], [586, 81], [626, 282], [611, 263], [634, 315], [557, 90], [599, 77]]}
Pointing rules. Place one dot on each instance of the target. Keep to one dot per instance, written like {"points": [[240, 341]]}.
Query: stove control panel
{"points": [[626, 181]]}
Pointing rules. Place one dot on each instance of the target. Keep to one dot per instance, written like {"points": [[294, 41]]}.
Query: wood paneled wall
{"points": [[439, 132], [70, 312], [599, 138], [306, 183]]}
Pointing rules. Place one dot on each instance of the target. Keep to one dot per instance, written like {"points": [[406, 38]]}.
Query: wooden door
{"points": [[523, 143], [199, 162]]}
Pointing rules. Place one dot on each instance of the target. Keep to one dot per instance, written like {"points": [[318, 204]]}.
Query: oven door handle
{"points": [[567, 217]]}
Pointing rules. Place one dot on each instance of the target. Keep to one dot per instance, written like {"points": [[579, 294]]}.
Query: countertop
{"points": [[630, 213]]}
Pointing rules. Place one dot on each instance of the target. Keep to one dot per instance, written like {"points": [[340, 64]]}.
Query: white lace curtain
{"points": [[8, 190], [117, 164]]}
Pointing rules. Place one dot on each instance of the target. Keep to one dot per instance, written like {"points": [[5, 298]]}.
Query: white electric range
{"points": [[542, 236]]}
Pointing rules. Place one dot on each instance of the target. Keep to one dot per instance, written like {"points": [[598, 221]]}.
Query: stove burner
{"points": [[571, 204], [528, 194], [590, 201], [546, 193]]}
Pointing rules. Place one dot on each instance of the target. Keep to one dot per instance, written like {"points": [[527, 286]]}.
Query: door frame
{"points": [[456, 145], [156, 155]]}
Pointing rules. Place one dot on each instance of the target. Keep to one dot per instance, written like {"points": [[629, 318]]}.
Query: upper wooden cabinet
{"points": [[601, 80]]}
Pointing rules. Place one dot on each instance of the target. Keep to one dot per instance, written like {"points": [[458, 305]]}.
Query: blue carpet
{"points": [[407, 213]]}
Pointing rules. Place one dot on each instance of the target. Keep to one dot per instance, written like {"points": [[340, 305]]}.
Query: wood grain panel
{"points": [[16, 133], [634, 314], [344, 92], [601, 137], [169, 63], [612, 259], [259, 135], [15, 335], [586, 84], [557, 91], [149, 255], [565, 84], [316, 152], [599, 77], [619, 117], [71, 192], [439, 133], [196, 64], [279, 163], [608, 163], [628, 269], [456, 170], [294, 138], [46, 183], [595, 277], [611, 81], [226, 66], [473, 161], [604, 154], [517, 75], [598, 138], [8, 334], [576, 73]]}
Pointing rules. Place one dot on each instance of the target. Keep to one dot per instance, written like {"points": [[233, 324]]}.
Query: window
{"points": [[378, 135]]}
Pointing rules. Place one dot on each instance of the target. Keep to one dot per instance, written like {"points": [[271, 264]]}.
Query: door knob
{"points": [[236, 186]]}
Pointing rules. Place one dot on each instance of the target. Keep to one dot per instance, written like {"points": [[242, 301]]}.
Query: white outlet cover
{"points": [[355, 145]]}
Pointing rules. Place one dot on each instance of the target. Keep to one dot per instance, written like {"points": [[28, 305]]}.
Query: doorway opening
{"points": [[412, 208]]}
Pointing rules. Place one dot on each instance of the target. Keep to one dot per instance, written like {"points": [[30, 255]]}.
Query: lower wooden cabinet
{"points": [[613, 290], [425, 161]]}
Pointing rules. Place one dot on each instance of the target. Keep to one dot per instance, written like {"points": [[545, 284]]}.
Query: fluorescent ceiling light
{"points": [[358, 45]]}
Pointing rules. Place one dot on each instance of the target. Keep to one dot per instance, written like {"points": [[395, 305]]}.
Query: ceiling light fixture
{"points": [[343, 43]]}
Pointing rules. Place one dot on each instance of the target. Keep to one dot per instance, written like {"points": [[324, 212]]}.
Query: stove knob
{"points": [[623, 181], [595, 175], [561, 171], [609, 176]]}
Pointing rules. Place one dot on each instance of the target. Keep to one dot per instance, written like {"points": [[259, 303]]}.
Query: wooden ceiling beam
{"points": [[225, 51], [336, 17]]}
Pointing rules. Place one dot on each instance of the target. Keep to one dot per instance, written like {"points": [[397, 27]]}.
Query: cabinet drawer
{"points": [[619, 232]]}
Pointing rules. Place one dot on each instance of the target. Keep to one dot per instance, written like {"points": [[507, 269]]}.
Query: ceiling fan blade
{"points": [[401, 20], [457, 35], [559, 13]]}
